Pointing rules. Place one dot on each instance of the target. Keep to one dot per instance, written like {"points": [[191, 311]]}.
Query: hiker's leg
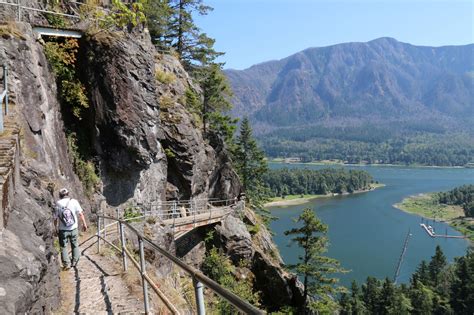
{"points": [[63, 240], [75, 246]]}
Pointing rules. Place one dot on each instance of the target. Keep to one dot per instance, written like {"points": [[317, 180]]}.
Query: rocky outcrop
{"points": [[148, 147], [118, 70], [29, 280], [265, 262]]}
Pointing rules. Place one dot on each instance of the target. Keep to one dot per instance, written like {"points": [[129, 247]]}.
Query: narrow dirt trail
{"points": [[96, 286]]}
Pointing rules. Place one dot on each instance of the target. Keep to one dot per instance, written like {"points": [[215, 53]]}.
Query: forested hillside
{"points": [[382, 101], [285, 181]]}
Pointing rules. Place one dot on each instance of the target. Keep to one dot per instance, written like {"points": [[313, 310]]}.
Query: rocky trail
{"points": [[96, 286]]}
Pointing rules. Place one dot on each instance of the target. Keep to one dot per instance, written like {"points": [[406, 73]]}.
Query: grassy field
{"points": [[427, 206]]}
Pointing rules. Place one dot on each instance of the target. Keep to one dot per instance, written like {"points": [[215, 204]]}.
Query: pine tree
{"points": [[312, 266], [216, 94], [387, 298], [437, 264], [421, 298], [158, 14], [370, 294], [250, 164], [422, 273], [357, 305], [462, 296], [185, 36]]}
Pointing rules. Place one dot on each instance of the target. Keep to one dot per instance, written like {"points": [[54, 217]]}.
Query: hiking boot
{"points": [[66, 268]]}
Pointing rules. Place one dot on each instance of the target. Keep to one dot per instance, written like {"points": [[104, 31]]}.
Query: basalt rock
{"points": [[29, 276]]}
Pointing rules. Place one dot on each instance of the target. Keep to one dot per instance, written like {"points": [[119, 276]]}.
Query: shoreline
{"points": [[309, 198], [322, 163], [424, 206]]}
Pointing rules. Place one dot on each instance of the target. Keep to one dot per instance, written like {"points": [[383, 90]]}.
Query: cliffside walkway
{"points": [[95, 287], [118, 235], [97, 284], [184, 216]]}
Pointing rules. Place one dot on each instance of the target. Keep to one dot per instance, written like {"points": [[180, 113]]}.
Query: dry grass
{"points": [[10, 29], [164, 77]]}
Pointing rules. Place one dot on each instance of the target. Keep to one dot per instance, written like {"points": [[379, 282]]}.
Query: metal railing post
{"points": [[194, 208], [5, 86], [104, 224], [174, 217], [19, 10], [122, 241], [199, 293], [143, 272], [98, 235]]}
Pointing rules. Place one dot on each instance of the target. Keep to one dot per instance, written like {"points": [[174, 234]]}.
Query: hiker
{"points": [[65, 221]]}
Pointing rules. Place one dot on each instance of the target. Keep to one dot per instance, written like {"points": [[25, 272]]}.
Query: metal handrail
{"points": [[20, 7], [199, 279], [4, 96]]}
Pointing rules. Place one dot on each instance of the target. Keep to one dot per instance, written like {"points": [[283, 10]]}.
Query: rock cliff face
{"points": [[29, 280], [148, 147]]}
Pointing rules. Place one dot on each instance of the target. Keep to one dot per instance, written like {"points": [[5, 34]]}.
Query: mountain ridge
{"points": [[319, 83]]}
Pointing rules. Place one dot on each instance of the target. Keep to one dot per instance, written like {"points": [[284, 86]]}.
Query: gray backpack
{"points": [[66, 215]]}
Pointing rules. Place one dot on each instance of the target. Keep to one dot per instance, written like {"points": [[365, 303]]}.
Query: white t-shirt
{"points": [[75, 208]]}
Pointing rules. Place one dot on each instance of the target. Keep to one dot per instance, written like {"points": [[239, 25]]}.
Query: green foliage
{"points": [[312, 266], [169, 153], [462, 196], [62, 58], [125, 15], [219, 268], [251, 166], [84, 169], [435, 288], [164, 77], [371, 144], [131, 213], [53, 19], [282, 182]]}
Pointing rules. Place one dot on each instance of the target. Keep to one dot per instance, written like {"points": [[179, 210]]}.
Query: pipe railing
{"points": [[4, 96], [198, 278], [21, 7]]}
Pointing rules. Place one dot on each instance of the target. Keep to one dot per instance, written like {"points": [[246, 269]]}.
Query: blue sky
{"points": [[254, 31]]}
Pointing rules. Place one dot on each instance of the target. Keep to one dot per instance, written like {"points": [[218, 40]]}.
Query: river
{"points": [[366, 233]]}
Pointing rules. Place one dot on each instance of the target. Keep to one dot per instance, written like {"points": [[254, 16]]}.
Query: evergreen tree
{"points": [[250, 164], [216, 94], [185, 36], [357, 305], [422, 273], [370, 294], [158, 14], [462, 297], [386, 301], [421, 298], [437, 264], [312, 266]]}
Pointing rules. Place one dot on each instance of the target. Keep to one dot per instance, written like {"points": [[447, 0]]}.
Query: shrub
{"points": [[85, 170], [62, 58], [164, 77]]}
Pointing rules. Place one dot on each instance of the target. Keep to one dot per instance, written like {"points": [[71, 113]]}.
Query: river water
{"points": [[366, 233]]}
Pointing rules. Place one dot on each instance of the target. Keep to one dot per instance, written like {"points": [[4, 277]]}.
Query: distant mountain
{"points": [[380, 81], [382, 101]]}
